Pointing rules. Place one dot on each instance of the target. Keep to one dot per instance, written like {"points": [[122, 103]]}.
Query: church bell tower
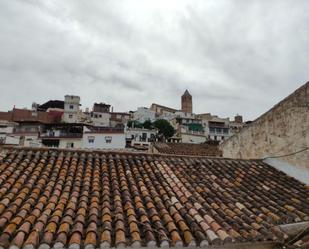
{"points": [[186, 102]]}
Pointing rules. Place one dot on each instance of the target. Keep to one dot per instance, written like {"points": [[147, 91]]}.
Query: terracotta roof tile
{"points": [[188, 149], [107, 199]]}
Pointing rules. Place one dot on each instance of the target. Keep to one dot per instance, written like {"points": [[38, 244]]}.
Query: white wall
{"points": [[10, 139], [68, 102], [6, 129], [77, 142], [142, 114], [118, 140], [188, 138], [101, 119], [137, 134], [32, 141]]}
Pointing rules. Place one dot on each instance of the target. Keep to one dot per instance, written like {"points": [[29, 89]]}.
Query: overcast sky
{"points": [[233, 56]]}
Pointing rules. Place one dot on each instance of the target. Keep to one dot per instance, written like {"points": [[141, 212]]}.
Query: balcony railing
{"points": [[218, 133], [61, 135]]}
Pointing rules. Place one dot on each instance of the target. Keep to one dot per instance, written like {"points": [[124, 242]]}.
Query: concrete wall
{"points": [[193, 139], [77, 143], [101, 119], [282, 130], [11, 139], [32, 141], [118, 140]]}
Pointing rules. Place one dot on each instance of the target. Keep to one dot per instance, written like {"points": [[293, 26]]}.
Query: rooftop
{"points": [[24, 115], [188, 149], [67, 199]]}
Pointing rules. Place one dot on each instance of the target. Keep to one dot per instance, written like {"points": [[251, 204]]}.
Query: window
{"points": [[70, 145], [71, 106], [70, 116], [108, 139], [144, 136], [91, 140]]}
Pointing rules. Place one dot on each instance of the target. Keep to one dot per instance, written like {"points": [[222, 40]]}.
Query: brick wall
{"points": [[282, 130]]}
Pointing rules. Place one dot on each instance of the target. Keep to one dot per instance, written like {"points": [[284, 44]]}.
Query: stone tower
{"points": [[186, 102]]}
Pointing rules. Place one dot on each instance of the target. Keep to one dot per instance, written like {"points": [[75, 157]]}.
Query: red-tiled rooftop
{"points": [[188, 149], [81, 199]]}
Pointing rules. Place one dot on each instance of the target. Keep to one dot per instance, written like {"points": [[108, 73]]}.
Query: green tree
{"points": [[147, 124], [134, 124], [129, 123], [164, 127]]}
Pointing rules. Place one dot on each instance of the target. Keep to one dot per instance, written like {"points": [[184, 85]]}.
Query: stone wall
{"points": [[282, 130]]}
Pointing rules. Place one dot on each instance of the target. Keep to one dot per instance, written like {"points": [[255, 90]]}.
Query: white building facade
{"points": [[6, 133], [140, 136], [143, 113], [215, 128], [103, 138], [100, 119]]}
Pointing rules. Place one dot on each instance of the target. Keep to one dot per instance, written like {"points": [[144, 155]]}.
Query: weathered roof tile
{"points": [[75, 199]]}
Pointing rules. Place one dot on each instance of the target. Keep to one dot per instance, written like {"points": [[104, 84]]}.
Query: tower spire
{"points": [[186, 102]]}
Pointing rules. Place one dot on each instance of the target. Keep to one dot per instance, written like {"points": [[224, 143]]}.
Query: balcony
{"points": [[218, 131], [56, 135]]}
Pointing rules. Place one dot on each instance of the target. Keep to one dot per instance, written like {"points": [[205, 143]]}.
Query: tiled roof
{"points": [[188, 149], [52, 104], [72, 199], [23, 115]]}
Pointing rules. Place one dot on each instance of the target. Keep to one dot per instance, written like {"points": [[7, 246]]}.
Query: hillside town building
{"points": [[197, 128], [62, 135], [140, 137], [50, 124], [119, 118], [143, 114], [71, 109], [6, 133], [100, 115], [103, 137]]}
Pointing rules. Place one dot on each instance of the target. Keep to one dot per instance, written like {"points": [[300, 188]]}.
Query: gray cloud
{"points": [[233, 56]]}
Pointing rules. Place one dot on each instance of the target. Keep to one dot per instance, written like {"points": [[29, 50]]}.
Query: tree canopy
{"points": [[164, 127]]}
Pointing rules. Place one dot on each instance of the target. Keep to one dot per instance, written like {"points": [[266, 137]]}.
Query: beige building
{"points": [[71, 109], [282, 131]]}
